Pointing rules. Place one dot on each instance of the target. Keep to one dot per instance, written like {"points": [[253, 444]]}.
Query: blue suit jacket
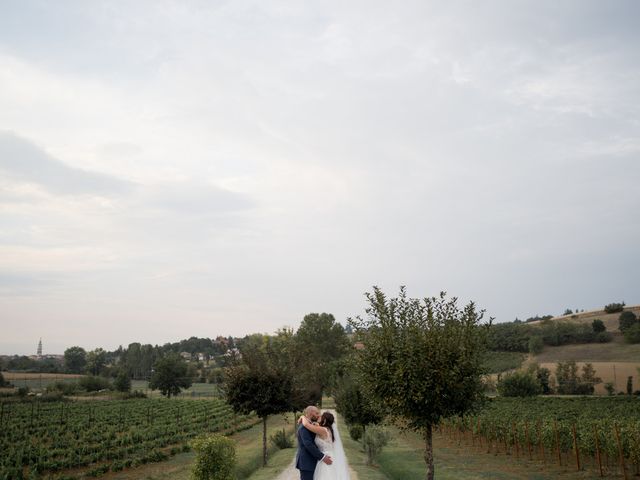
{"points": [[308, 453]]}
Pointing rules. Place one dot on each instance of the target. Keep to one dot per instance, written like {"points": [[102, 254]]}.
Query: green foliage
{"points": [[627, 320], [422, 359], [354, 406], [373, 441], [96, 361], [614, 307], [356, 431], [497, 362], [632, 334], [170, 375], [75, 359], [2, 380], [94, 384], [598, 326], [568, 311], [519, 384], [570, 383], [215, 458], [281, 440], [122, 383], [610, 388], [536, 344], [65, 388]]}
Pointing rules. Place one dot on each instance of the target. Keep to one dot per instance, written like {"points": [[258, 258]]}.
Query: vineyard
{"points": [[600, 434], [68, 440]]}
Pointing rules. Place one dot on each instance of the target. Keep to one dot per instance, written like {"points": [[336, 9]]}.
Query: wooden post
{"points": [[555, 430], [515, 438], [620, 451], [526, 437], [575, 446], [598, 456], [540, 442]]}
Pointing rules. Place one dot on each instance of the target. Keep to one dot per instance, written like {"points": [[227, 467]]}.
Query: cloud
{"points": [[25, 161]]}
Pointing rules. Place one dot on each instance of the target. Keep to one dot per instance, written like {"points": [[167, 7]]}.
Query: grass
{"points": [[357, 458], [402, 459], [196, 389], [615, 351], [278, 463], [497, 362]]}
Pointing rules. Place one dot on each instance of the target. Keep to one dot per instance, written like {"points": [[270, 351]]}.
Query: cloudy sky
{"points": [[170, 169]]}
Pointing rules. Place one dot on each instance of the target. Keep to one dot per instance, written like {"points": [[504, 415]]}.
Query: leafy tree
{"points": [[2, 380], [265, 391], [373, 441], [96, 361], [122, 383], [353, 404], [632, 334], [568, 311], [614, 307], [92, 383], [627, 320], [215, 458], [610, 388], [75, 359], [598, 326], [323, 342], [544, 379], [422, 359], [570, 383], [170, 375], [535, 344], [519, 384]]}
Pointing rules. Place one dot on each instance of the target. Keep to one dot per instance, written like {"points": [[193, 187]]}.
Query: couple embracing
{"points": [[320, 454]]}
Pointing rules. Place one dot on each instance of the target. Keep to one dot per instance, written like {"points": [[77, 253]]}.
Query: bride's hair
{"points": [[326, 420]]}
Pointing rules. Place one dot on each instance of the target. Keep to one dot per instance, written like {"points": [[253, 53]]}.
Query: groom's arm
{"points": [[310, 445]]}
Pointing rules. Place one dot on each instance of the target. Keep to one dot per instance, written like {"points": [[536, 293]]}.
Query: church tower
{"points": [[40, 348]]}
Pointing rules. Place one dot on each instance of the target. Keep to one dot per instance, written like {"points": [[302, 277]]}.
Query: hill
{"points": [[609, 319]]}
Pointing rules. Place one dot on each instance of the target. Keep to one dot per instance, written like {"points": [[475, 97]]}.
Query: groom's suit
{"points": [[308, 453]]}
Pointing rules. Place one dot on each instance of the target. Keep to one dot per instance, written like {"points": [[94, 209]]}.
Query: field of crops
{"points": [[68, 440], [599, 433]]}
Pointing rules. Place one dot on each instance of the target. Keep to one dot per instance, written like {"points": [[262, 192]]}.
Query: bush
{"points": [[610, 388], [373, 441], [122, 382], [65, 388], [356, 431], [519, 384], [535, 344], [598, 326], [603, 337], [215, 458], [632, 334], [281, 440], [94, 384], [614, 307], [2, 381], [626, 321]]}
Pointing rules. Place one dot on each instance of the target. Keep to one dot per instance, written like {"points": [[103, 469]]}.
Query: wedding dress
{"points": [[338, 469]]}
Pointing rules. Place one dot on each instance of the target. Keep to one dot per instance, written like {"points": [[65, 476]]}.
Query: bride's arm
{"points": [[317, 429]]}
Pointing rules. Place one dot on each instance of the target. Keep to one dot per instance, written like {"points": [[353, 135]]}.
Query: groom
{"points": [[308, 453]]}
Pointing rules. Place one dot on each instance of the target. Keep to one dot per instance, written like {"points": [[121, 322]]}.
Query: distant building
{"points": [[186, 356], [39, 351]]}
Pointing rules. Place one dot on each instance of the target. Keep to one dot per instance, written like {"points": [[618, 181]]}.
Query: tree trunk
{"points": [[264, 441], [428, 452]]}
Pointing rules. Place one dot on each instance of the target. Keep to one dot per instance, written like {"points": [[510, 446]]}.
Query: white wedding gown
{"points": [[338, 469]]}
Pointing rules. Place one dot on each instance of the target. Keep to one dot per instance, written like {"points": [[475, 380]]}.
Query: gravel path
{"points": [[292, 474]]}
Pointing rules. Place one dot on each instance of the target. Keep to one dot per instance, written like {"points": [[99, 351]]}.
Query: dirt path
{"points": [[292, 474]]}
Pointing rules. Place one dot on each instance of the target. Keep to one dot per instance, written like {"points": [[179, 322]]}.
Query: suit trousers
{"points": [[306, 475]]}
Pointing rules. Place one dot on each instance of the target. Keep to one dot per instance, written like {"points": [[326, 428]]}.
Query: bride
{"points": [[329, 443]]}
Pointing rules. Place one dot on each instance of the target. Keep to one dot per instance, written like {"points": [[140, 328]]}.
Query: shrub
{"points": [[536, 344], [281, 440], [614, 307], [519, 384], [373, 441], [632, 334], [356, 431], [94, 384], [66, 388], [215, 458], [603, 337], [598, 326], [568, 311], [627, 320], [2, 381], [122, 382], [610, 388]]}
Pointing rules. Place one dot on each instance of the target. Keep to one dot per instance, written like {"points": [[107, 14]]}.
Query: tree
{"points": [[626, 320], [598, 326], [122, 382], [536, 344], [421, 360], [2, 381], [265, 391], [75, 359], [632, 334], [96, 361], [170, 375], [323, 342], [353, 404], [629, 385]]}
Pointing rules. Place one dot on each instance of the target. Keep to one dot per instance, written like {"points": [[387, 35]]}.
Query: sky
{"points": [[199, 168]]}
